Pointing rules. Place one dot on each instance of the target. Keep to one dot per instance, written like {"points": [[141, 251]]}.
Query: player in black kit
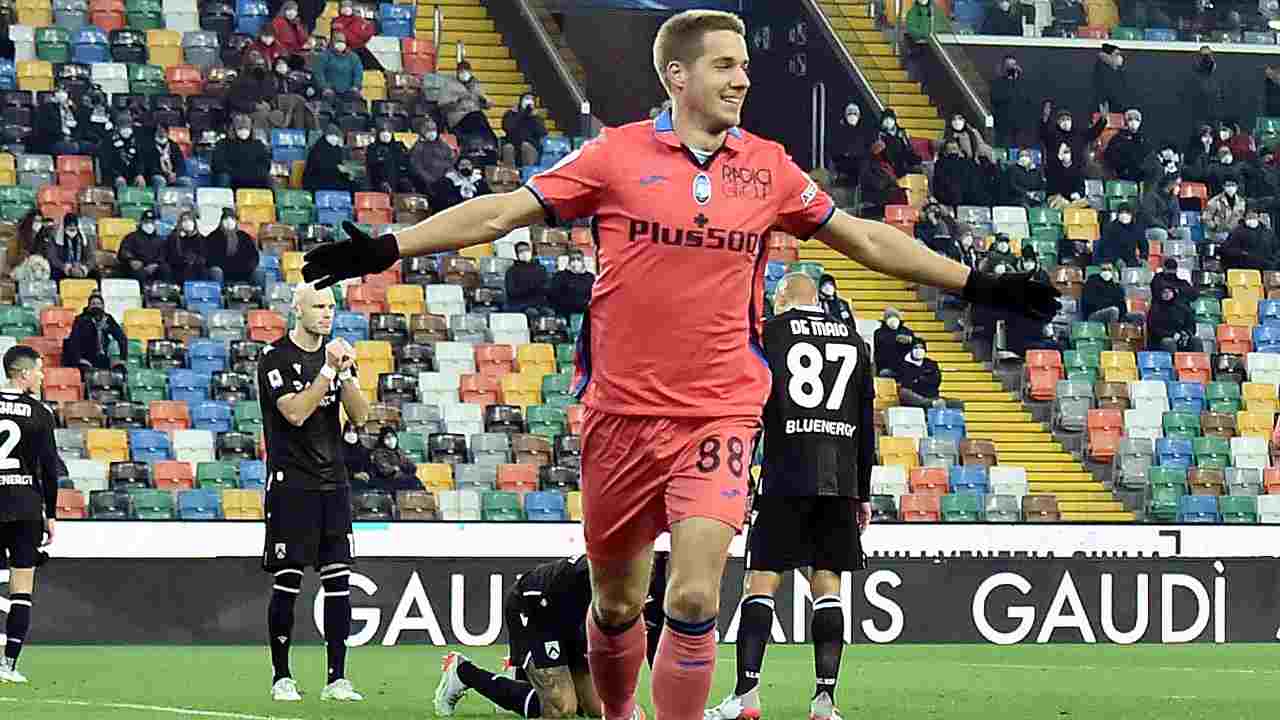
{"points": [[814, 496], [545, 612], [28, 492], [301, 380]]}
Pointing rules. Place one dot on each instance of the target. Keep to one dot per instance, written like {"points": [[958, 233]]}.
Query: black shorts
{"points": [[307, 527], [543, 637], [788, 533], [20, 541]]}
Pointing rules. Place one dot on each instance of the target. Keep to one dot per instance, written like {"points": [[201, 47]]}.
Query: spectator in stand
{"points": [[1239, 142], [1204, 98], [338, 72], [1160, 214], [357, 458], [35, 233], [241, 160], [186, 251], [266, 46], [570, 290], [357, 29], [464, 182], [1226, 168], [967, 138], [1200, 154], [1102, 299], [524, 133], [1168, 277], [879, 182], [897, 145], [935, 222], [430, 158], [1011, 103], [1030, 264], [962, 250], [1162, 164], [463, 103], [1251, 245], [836, 307], [892, 342], [922, 21], [56, 128], [527, 284], [1062, 131], [1224, 211], [143, 253], [1122, 241], [254, 91], [295, 93], [920, 380], [1128, 150], [118, 156], [291, 35], [955, 181], [1271, 90], [325, 168], [1068, 16], [1171, 326], [1002, 19], [1026, 181], [1064, 181], [94, 118], [852, 140], [89, 344], [387, 162], [1000, 253], [162, 160], [391, 469], [69, 254], [232, 254], [1110, 84]]}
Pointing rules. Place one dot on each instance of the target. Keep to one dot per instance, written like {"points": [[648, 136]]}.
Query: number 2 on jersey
{"points": [[11, 433], [805, 363]]}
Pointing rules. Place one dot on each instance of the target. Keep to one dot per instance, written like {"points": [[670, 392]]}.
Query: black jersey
{"points": [[28, 458], [562, 587], [309, 456], [818, 421]]}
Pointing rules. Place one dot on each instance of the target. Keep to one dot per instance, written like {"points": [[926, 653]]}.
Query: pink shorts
{"points": [[641, 475]]}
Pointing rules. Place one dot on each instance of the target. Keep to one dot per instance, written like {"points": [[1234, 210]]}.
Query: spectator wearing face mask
{"points": [[1025, 181], [879, 183], [462, 183], [35, 232], [1168, 277], [1128, 150], [94, 120], [232, 254], [1029, 264], [357, 459], [1064, 181], [463, 102], [924, 20], [1162, 164], [338, 71], [1224, 211], [357, 29], [391, 469], [967, 138], [69, 254], [920, 380], [1110, 84], [118, 156], [570, 289], [1226, 168], [836, 307], [897, 145], [291, 35], [1002, 19], [1171, 326], [851, 139], [935, 222], [1203, 97], [1011, 103], [254, 91], [955, 181], [162, 160], [89, 344], [962, 249], [56, 128], [1058, 129], [186, 251], [1200, 154], [527, 284], [1159, 212], [1123, 240], [892, 341], [266, 46], [295, 90], [1241, 144], [524, 133], [143, 252], [1251, 245], [430, 158], [1102, 299], [387, 163], [241, 160], [1000, 253], [325, 168]]}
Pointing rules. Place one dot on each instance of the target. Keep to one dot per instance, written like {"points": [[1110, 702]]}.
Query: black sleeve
{"points": [[47, 455], [276, 376], [866, 427]]}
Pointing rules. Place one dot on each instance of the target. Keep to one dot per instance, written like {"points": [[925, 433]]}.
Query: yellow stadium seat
{"points": [[1254, 424], [1242, 311], [886, 393], [573, 504], [256, 214], [1244, 284], [1083, 232], [408, 139], [112, 230], [374, 357], [1102, 13], [1122, 360], [406, 299], [296, 172], [252, 196], [242, 504], [523, 389], [164, 47], [375, 85], [1260, 397], [143, 324], [1080, 216], [898, 451], [917, 182], [35, 75], [107, 445], [436, 476], [536, 358], [75, 293], [291, 266], [36, 13], [8, 169]]}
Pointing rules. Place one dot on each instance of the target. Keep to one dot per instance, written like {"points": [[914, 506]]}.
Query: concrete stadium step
{"points": [[470, 10], [1008, 416], [866, 284], [1099, 517], [482, 65], [479, 39], [1020, 458], [973, 376], [968, 397], [950, 386], [474, 52], [1087, 496], [1080, 476], [1066, 505], [462, 24], [1057, 487]]}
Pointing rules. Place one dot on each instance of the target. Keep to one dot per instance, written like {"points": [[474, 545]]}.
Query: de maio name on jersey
{"points": [[706, 238]]}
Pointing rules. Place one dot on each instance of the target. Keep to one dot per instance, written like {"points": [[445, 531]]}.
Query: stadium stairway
{"points": [[872, 49], [991, 412]]}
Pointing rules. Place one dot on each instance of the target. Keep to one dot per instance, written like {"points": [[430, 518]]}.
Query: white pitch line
{"points": [[1093, 668], [151, 708]]}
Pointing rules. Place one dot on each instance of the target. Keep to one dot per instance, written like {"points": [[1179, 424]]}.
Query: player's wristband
{"points": [[328, 372]]}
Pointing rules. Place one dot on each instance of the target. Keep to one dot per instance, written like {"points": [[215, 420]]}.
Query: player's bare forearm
{"points": [[479, 220], [886, 249], [297, 407], [355, 403]]}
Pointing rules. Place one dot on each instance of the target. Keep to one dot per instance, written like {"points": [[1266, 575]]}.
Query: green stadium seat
{"points": [[1211, 452], [1082, 364], [53, 44], [136, 358], [1238, 509], [498, 506], [1122, 188], [1223, 396], [295, 207], [19, 321], [1089, 336], [564, 358], [247, 416], [413, 445], [1181, 424], [147, 80], [16, 201], [962, 507], [152, 504], [1164, 503], [557, 387], [1042, 216], [144, 15], [546, 420], [1207, 310], [1169, 477], [134, 201], [217, 476], [145, 385]]}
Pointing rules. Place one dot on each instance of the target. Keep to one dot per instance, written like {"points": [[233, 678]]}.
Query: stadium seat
{"points": [[1105, 428], [906, 422], [173, 475], [1043, 369], [1073, 401], [978, 452], [200, 504], [920, 508], [1211, 452]]}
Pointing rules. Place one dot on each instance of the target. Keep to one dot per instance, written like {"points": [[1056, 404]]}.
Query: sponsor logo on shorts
{"points": [[553, 649]]}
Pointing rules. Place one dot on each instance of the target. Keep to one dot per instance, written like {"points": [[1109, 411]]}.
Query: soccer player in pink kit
{"points": [[669, 366]]}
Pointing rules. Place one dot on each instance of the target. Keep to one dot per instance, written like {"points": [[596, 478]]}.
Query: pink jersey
{"points": [[673, 325]]}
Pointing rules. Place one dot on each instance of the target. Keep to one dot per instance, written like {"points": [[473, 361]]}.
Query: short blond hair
{"points": [[680, 37]]}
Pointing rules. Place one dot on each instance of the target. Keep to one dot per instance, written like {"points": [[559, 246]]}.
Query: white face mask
{"points": [[1224, 134], [1028, 265], [347, 11], [291, 14], [351, 438], [431, 136], [1065, 159], [282, 69], [1065, 125], [229, 225], [35, 227], [1000, 270], [188, 226], [828, 290], [242, 133], [268, 41], [852, 118], [61, 97], [1251, 223], [966, 241], [1002, 247], [384, 137], [464, 76], [1226, 159], [577, 266], [527, 103], [334, 140], [1133, 125], [1229, 189], [1025, 162], [524, 256], [148, 228], [391, 443], [893, 323], [1106, 275], [1125, 218], [918, 353], [340, 47], [888, 124], [126, 132], [957, 124]]}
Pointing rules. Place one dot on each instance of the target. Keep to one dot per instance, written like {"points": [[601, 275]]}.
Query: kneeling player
{"points": [[545, 613], [815, 482]]}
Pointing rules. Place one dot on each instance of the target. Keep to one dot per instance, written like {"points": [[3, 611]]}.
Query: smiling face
{"points": [[701, 59]]}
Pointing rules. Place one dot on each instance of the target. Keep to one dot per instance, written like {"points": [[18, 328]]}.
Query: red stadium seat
{"points": [[373, 208], [75, 171], [71, 504], [1105, 429], [385, 279], [367, 299], [901, 214], [1193, 367], [107, 14], [418, 56], [1043, 370], [266, 325], [573, 414], [169, 415], [184, 80], [495, 360], [57, 200], [517, 478], [923, 148], [920, 508], [56, 322], [928, 480], [62, 385], [479, 389], [173, 475], [1234, 339], [1093, 33], [50, 349], [1271, 480]]}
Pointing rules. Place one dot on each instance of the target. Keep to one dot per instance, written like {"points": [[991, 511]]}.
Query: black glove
{"points": [[1018, 292], [358, 256]]}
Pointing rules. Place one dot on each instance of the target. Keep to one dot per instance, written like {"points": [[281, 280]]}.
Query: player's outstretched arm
{"points": [[886, 249], [479, 220]]}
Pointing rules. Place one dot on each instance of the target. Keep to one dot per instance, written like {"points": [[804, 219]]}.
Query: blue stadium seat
{"points": [[773, 272], [253, 474], [8, 75], [1198, 509], [547, 263], [199, 505], [544, 506], [269, 266], [200, 170], [208, 356], [397, 20], [189, 386], [211, 415], [149, 446], [946, 424], [1269, 311], [1266, 338], [1155, 366], [1186, 397], [1160, 35], [90, 45], [288, 145], [1175, 452], [968, 479], [352, 326], [332, 207], [202, 296], [554, 148], [251, 15], [1189, 218]]}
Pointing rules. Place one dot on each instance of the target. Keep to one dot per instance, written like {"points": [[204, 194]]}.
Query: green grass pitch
{"points": [[903, 682]]}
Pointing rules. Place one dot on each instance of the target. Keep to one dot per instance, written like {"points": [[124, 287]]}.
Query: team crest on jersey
{"points": [[702, 188], [553, 649], [280, 551], [275, 378]]}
